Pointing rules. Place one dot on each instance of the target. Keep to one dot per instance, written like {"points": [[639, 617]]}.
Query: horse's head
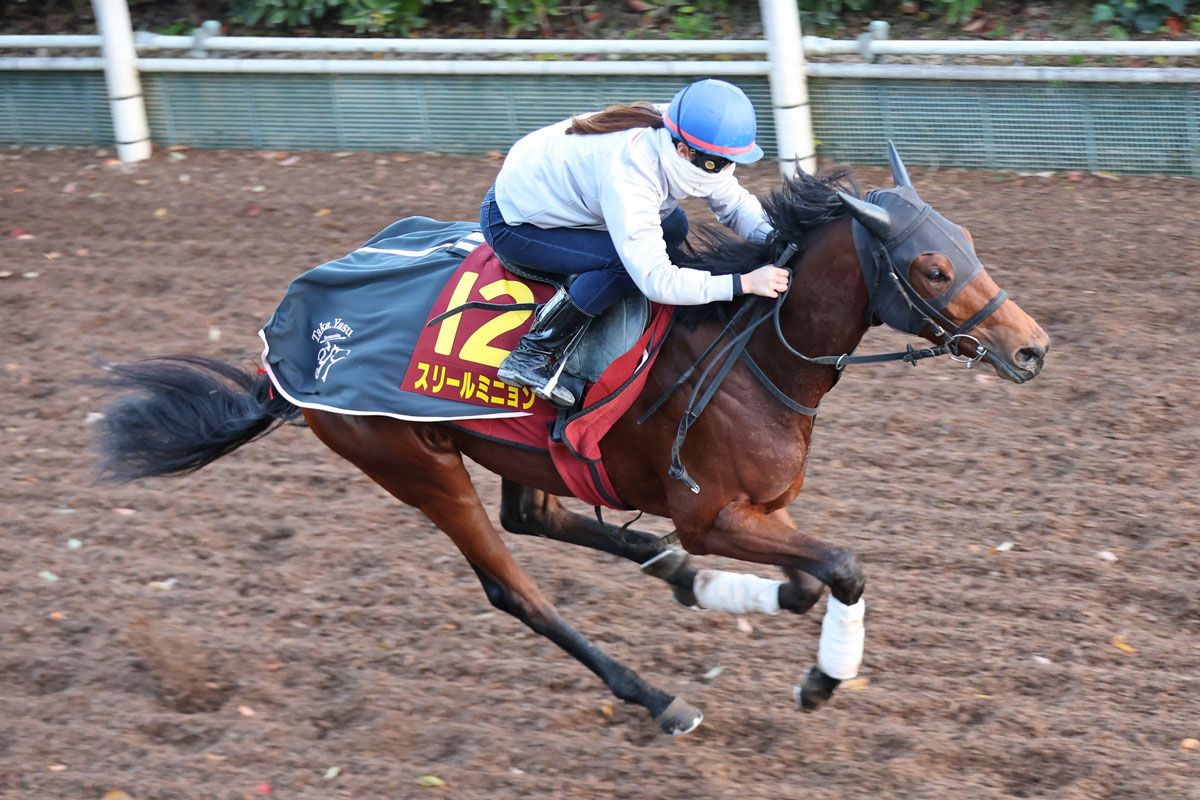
{"points": [[924, 278]]}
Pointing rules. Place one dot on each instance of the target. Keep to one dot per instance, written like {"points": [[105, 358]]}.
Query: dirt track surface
{"points": [[277, 615]]}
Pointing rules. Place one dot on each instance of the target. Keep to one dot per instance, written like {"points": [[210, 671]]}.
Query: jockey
{"points": [[598, 195]]}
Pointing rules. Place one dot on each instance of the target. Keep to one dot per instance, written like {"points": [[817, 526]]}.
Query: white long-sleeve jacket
{"points": [[626, 183]]}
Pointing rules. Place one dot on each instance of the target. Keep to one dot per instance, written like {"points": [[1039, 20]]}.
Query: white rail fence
{"points": [[783, 58]]}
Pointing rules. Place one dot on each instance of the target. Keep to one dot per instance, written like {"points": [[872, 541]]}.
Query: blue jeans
{"points": [[591, 254]]}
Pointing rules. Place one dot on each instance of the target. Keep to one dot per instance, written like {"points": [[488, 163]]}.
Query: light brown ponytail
{"points": [[639, 114]]}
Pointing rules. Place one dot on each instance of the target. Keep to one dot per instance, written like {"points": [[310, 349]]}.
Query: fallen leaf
{"points": [[1107, 555], [125, 512], [1190, 744], [450, 626], [495, 156], [430, 780], [322, 212], [287, 162], [56, 615], [606, 708], [57, 767], [25, 237], [69, 188], [175, 148], [115, 796], [214, 757], [713, 673], [142, 181], [983, 696], [253, 211], [48, 576], [30, 275], [342, 155], [262, 788], [855, 684], [744, 625], [166, 585], [1124, 648], [274, 666], [15, 232], [1003, 547], [54, 256], [246, 711], [332, 773], [178, 156], [83, 251], [259, 188], [160, 212], [1042, 660], [214, 333]]}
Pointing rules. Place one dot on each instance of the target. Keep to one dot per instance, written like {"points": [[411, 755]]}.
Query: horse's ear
{"points": [[899, 173], [874, 218]]}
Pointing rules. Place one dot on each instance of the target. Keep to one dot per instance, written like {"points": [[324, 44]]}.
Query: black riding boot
{"points": [[534, 362]]}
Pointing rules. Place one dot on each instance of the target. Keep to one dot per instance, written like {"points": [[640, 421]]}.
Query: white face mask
{"points": [[685, 178]]}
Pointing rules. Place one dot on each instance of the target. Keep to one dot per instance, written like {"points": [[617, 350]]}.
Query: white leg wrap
{"points": [[733, 591], [842, 637]]}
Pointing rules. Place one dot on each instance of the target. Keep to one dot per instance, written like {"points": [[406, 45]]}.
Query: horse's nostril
{"points": [[1031, 357]]}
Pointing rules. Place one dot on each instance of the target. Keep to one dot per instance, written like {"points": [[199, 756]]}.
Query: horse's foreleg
{"points": [[744, 532], [532, 512]]}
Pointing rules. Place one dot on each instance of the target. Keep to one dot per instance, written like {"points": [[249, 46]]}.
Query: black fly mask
{"points": [[891, 228]]}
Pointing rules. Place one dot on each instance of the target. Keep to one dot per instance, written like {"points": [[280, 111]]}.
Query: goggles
{"points": [[705, 161]]}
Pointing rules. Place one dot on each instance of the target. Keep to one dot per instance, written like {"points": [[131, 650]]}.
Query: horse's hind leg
{"points": [[532, 512], [421, 467]]}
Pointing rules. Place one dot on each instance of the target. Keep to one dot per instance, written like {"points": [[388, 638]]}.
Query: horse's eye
{"points": [[936, 276]]}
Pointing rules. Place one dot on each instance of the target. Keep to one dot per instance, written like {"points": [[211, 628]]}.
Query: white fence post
{"points": [[789, 86], [130, 128]]}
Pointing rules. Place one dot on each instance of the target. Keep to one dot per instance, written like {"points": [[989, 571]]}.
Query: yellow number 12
{"points": [[478, 349]]}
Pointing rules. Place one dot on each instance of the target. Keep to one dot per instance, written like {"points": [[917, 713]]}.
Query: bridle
{"points": [[951, 337]]}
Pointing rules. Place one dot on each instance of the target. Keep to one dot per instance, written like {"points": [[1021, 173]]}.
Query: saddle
{"points": [[607, 337]]}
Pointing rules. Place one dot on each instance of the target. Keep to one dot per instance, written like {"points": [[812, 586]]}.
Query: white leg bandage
{"points": [[842, 636], [733, 591]]}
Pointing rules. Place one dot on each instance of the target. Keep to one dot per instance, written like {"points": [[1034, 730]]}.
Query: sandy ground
{"points": [[277, 624]]}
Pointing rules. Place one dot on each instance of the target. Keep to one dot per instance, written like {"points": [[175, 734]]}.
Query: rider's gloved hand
{"points": [[767, 281]]}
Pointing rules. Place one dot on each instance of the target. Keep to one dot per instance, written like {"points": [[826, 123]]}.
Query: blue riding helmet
{"points": [[715, 117]]}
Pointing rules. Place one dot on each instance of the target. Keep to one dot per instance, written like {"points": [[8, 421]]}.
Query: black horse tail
{"points": [[189, 412]]}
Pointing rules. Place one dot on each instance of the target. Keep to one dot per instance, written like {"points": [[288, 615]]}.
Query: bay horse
{"points": [[889, 258]]}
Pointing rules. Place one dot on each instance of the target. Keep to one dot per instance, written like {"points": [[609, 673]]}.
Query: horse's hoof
{"points": [[815, 691], [685, 598], [679, 718], [664, 566]]}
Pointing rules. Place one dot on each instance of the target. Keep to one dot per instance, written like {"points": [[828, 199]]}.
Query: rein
{"points": [[735, 349]]}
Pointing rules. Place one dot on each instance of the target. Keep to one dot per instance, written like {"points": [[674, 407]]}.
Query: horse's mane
{"points": [[802, 205]]}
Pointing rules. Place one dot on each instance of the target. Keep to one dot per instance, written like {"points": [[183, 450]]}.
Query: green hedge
{"points": [[673, 18]]}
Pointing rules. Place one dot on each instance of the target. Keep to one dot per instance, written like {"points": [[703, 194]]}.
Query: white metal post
{"points": [[130, 128], [789, 86]]}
